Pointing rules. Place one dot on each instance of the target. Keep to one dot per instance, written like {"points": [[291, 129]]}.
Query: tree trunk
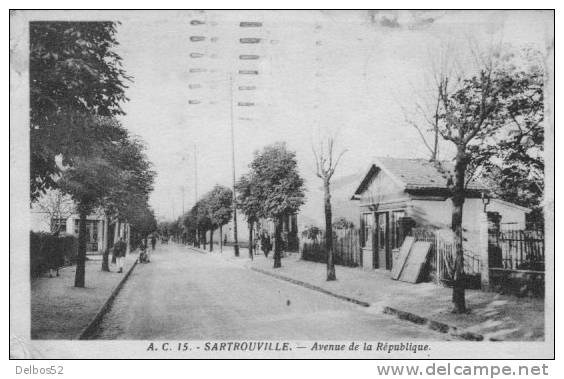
{"points": [[211, 239], [221, 238], [116, 231], [436, 132], [81, 254], [277, 242], [251, 239], [105, 258], [458, 196], [329, 233], [204, 240], [235, 234]]}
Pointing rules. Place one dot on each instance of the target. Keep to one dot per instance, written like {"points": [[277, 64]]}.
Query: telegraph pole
{"points": [[195, 174], [235, 237], [197, 239], [182, 191]]}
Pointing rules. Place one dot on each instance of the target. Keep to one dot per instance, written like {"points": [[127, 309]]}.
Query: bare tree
{"points": [[325, 165], [58, 206], [428, 110], [424, 112]]}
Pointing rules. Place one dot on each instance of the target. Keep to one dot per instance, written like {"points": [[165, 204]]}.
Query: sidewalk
{"points": [[61, 311], [492, 315]]}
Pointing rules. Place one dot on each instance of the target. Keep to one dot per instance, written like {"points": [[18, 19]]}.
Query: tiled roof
{"points": [[421, 173], [415, 174]]}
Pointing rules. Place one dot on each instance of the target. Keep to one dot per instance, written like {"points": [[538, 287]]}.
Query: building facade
{"points": [[395, 189]]}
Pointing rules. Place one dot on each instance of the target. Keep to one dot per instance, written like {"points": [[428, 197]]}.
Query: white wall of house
{"points": [[510, 213], [382, 189], [41, 222], [438, 214]]}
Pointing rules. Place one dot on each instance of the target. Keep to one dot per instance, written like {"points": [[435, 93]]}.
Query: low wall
{"points": [[517, 282]]}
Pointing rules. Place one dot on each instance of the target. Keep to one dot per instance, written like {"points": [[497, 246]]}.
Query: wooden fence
{"points": [[346, 248]]}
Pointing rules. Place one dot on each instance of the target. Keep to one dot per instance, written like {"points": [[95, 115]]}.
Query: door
{"points": [[384, 260]]}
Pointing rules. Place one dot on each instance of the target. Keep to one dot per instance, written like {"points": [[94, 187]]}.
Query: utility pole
{"points": [[195, 173], [197, 237], [182, 191], [235, 237]]}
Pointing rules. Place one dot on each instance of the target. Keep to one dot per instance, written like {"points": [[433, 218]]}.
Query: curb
{"points": [[402, 315], [311, 286], [198, 250], [437, 326], [89, 330]]}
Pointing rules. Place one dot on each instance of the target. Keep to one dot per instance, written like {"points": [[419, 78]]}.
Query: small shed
{"points": [[396, 188]]}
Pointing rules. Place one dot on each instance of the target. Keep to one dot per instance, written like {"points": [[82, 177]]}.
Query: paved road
{"points": [[183, 294]]}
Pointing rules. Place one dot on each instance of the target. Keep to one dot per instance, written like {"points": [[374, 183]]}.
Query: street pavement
{"points": [[184, 294]]}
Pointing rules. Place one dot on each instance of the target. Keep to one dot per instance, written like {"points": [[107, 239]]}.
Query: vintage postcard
{"points": [[288, 184]]}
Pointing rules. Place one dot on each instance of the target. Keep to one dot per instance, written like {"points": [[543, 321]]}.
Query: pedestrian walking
{"points": [[119, 251], [265, 243], [144, 254], [153, 242]]}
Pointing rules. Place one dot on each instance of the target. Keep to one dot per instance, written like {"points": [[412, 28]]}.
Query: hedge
{"points": [[49, 251]]}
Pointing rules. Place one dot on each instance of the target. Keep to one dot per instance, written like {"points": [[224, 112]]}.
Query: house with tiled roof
{"points": [[395, 188]]}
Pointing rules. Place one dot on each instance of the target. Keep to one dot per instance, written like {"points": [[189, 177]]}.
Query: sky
{"points": [[349, 74]]}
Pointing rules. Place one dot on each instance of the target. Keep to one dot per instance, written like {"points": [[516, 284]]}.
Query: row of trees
{"points": [[211, 212], [271, 190], [78, 146]]}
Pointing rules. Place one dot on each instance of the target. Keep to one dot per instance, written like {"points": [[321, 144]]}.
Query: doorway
{"points": [[382, 237]]}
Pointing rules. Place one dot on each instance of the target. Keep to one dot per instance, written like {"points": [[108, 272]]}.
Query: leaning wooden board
{"points": [[415, 262], [402, 257]]}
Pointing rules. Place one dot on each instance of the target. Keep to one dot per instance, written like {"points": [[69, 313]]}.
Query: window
{"points": [[367, 221], [58, 224], [382, 226], [396, 215], [91, 230]]}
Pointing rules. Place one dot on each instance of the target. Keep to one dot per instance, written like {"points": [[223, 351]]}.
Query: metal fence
{"points": [[517, 249], [443, 253]]}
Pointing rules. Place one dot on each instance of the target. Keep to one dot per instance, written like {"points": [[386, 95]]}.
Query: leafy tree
{"points": [[175, 228], [311, 232], [142, 221], [189, 223], [249, 204], [74, 74], [512, 160], [88, 182], [201, 215], [127, 200], [111, 173], [325, 164], [469, 116], [279, 188], [343, 223], [220, 207]]}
